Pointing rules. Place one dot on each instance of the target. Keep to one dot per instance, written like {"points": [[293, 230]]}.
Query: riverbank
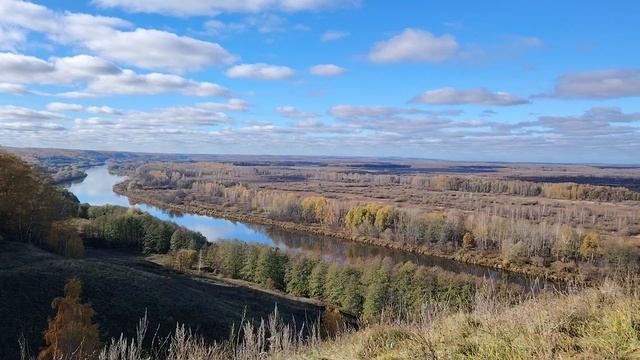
{"points": [[490, 261]]}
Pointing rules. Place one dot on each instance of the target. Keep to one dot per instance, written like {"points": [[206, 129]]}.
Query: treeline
{"points": [[568, 191], [181, 177], [363, 288], [120, 227], [34, 211], [517, 240]]}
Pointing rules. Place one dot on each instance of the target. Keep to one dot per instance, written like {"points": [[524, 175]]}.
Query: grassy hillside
{"points": [[602, 323], [121, 287]]}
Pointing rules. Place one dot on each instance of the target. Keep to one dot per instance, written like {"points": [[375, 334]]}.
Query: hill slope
{"points": [[121, 287]]}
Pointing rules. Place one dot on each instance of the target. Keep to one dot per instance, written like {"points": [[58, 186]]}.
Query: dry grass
{"points": [[602, 323]]}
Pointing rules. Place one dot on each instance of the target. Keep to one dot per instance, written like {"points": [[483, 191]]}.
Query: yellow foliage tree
{"points": [[185, 259], [591, 246], [71, 334], [63, 239], [468, 241]]}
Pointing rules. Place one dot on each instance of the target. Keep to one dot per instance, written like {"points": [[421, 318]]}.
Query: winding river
{"points": [[97, 189]]}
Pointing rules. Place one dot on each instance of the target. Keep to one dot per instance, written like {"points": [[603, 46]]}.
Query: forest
{"points": [[564, 234]]}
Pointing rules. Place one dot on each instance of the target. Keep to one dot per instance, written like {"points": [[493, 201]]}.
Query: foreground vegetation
{"points": [[597, 323]]}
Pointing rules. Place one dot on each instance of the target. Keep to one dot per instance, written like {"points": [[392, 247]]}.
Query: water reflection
{"points": [[97, 189]]}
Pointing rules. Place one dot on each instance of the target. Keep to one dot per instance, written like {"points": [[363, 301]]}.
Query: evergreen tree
{"points": [[297, 276], [317, 279], [376, 295], [270, 269], [178, 240], [334, 286], [248, 271], [351, 298]]}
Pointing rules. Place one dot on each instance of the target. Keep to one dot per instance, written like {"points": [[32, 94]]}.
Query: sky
{"points": [[540, 81]]}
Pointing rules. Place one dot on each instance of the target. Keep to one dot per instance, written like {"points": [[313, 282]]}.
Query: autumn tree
{"points": [[63, 239], [591, 246], [468, 241], [71, 334], [186, 259]]}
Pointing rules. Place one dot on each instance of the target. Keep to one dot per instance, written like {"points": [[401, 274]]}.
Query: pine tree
{"points": [[178, 240], [376, 295], [317, 280], [71, 334], [297, 277]]}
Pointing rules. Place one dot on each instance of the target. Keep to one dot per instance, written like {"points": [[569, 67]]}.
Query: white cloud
{"points": [[58, 106], [361, 111], [327, 70], [102, 77], [107, 110], [236, 105], [208, 7], [331, 35], [479, 96], [11, 37], [129, 82], [21, 119], [293, 113], [414, 45], [601, 84], [154, 49], [111, 38], [260, 71], [16, 89]]}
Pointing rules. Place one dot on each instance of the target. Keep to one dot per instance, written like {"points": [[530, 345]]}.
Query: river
{"points": [[97, 189]]}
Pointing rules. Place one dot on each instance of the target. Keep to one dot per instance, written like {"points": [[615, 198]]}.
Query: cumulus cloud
{"points": [[63, 107], [601, 84], [107, 110], [17, 89], [129, 82], [156, 49], [112, 38], [10, 113], [102, 77], [200, 7], [331, 35], [11, 37], [479, 96], [327, 70], [21, 119], [414, 45], [293, 113], [260, 71], [58, 106], [235, 105], [360, 111]]}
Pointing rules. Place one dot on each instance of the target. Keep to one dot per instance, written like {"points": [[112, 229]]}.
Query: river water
{"points": [[97, 189]]}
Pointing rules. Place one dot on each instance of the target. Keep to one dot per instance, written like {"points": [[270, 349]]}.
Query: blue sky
{"points": [[517, 81]]}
